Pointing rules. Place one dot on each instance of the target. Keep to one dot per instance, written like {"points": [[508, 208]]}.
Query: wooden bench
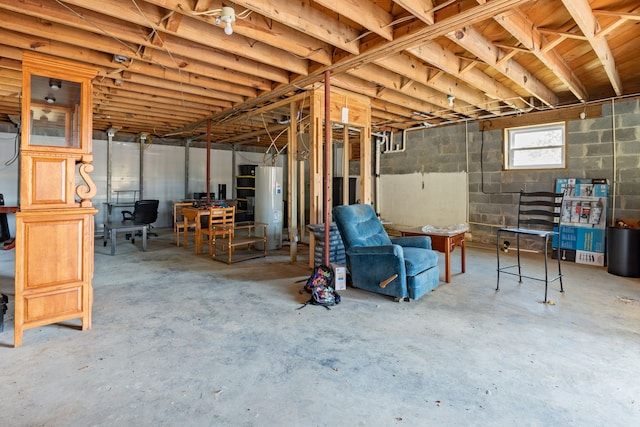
{"points": [[233, 240]]}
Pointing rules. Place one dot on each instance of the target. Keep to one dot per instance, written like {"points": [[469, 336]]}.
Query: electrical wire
{"points": [[145, 142]]}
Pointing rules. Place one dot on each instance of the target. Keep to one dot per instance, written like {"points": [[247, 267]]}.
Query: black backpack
{"points": [[320, 286]]}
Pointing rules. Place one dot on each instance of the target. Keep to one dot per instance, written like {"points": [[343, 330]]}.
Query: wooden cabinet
{"points": [[53, 269], [55, 226]]}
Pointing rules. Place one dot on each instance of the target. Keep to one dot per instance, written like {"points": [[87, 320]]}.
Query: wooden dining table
{"points": [[191, 215]]}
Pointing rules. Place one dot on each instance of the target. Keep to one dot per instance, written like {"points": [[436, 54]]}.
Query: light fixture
{"points": [[228, 16], [120, 59], [49, 99], [55, 84], [451, 98]]}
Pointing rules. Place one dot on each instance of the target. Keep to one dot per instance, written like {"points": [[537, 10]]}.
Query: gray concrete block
{"points": [[627, 134], [584, 138], [628, 147], [600, 123], [628, 120], [628, 189], [622, 107], [602, 149], [631, 163]]}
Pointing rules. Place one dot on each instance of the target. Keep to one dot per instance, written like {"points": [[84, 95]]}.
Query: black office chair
{"points": [[539, 215], [144, 212]]}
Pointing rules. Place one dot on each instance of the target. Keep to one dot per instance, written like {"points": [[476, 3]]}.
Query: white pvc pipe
{"points": [[615, 162]]}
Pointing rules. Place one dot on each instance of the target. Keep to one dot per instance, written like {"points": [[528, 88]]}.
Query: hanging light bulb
{"points": [[228, 16], [451, 98], [227, 28]]}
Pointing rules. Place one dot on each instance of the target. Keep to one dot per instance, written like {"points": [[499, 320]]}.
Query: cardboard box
{"points": [[339, 277]]}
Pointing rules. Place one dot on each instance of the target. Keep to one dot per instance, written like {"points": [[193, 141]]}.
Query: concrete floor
{"points": [[182, 340]]}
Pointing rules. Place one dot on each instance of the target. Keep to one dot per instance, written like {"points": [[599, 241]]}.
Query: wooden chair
{"points": [[217, 216], [178, 220]]}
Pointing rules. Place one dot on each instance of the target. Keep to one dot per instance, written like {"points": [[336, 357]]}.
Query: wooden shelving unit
{"points": [[246, 193]]}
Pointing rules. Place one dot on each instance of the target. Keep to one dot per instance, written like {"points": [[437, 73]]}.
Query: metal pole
{"points": [[141, 172], [186, 168], [208, 161], [109, 165], [327, 158]]}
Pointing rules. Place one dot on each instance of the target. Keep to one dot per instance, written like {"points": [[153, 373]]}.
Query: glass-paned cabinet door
{"points": [[55, 112]]}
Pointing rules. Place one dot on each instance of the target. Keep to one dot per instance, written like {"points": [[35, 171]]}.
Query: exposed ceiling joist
{"points": [[165, 67], [584, 17]]}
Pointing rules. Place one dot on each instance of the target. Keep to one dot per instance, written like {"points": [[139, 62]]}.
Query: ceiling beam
{"points": [[417, 97], [525, 32], [301, 16], [147, 16], [632, 16], [369, 15], [583, 15], [433, 53], [108, 86], [379, 50], [473, 41], [180, 88], [622, 19], [422, 9], [259, 29], [123, 41], [410, 67], [158, 102]]}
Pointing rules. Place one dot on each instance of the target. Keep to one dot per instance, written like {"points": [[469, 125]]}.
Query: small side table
{"points": [[111, 229], [443, 242]]}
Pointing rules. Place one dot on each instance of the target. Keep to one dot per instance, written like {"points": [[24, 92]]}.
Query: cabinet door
{"points": [[54, 267], [51, 181]]}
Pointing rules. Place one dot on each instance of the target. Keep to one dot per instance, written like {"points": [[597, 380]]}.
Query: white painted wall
{"points": [[164, 174], [403, 198], [164, 179], [9, 175], [413, 200], [221, 173]]}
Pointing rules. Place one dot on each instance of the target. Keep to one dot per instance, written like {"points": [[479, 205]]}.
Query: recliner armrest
{"points": [[394, 250], [413, 241]]}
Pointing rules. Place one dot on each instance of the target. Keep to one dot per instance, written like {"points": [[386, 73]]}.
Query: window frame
{"points": [[509, 151]]}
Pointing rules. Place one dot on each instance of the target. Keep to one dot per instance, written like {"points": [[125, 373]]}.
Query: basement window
{"points": [[535, 147]]}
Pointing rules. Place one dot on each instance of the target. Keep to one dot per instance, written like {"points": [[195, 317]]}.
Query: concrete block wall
{"points": [[493, 193], [435, 150]]}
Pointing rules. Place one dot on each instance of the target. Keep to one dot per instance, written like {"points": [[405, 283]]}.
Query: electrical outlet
{"points": [[345, 115]]}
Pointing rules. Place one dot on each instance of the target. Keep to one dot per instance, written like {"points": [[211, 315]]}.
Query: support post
{"points": [[208, 162], [327, 162]]}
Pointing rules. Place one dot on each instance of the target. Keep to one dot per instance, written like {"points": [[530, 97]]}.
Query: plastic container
{"points": [[623, 249]]}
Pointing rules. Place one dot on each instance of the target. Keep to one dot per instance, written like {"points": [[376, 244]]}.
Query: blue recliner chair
{"points": [[402, 267]]}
